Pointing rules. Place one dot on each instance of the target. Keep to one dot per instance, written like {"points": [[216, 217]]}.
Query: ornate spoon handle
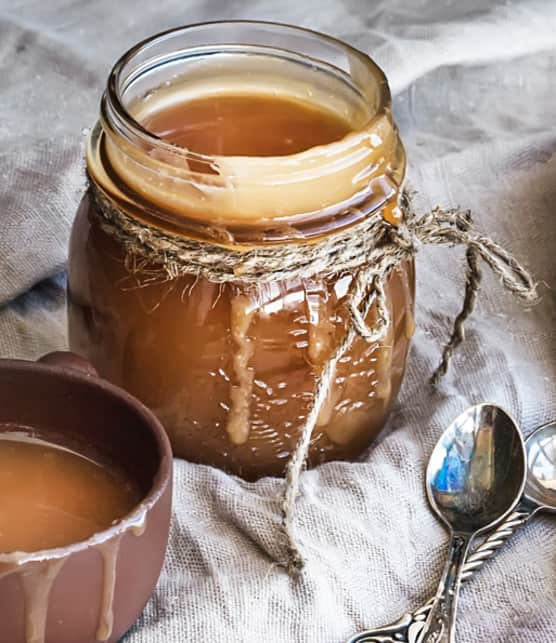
{"points": [[408, 628], [441, 620], [497, 539]]}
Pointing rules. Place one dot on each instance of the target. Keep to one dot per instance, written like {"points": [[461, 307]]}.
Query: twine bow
{"points": [[438, 227], [371, 250]]}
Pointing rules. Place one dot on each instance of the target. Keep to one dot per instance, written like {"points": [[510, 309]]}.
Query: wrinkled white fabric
{"points": [[474, 97]]}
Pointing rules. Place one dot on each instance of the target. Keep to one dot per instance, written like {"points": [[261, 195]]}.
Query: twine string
{"points": [[370, 249], [439, 227]]}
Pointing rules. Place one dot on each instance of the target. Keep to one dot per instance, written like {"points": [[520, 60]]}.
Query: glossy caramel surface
{"points": [[236, 125], [52, 497]]}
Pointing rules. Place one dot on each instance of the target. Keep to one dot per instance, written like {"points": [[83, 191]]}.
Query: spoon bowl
{"points": [[540, 488], [476, 473]]}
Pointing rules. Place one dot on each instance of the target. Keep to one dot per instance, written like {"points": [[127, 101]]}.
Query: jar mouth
{"points": [[144, 57], [247, 199]]}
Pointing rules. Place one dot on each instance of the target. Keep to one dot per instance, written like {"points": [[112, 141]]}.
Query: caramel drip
{"points": [[392, 213], [320, 346], [109, 552], [321, 327], [242, 311], [408, 297], [334, 396], [37, 580], [6, 569], [347, 427], [139, 528], [383, 358]]}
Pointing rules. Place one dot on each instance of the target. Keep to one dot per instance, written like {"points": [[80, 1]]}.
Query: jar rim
{"points": [[115, 113], [248, 199]]}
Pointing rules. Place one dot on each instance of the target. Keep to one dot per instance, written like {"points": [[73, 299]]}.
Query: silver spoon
{"points": [[475, 477], [540, 495]]}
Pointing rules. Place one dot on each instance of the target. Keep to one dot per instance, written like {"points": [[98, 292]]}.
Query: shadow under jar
{"points": [[238, 136]]}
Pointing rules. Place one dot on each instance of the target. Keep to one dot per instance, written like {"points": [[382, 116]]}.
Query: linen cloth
{"points": [[474, 95]]}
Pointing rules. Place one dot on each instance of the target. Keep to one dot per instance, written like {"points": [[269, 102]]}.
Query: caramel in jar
{"points": [[230, 369]]}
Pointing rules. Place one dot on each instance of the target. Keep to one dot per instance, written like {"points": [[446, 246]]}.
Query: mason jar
{"points": [[228, 365]]}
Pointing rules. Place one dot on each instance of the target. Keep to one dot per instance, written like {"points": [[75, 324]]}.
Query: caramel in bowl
{"points": [[93, 589]]}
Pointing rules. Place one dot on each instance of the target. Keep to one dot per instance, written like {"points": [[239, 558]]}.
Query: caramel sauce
{"points": [[248, 125], [231, 371], [52, 497]]}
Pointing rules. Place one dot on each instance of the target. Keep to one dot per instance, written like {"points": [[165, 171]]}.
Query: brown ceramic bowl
{"points": [[92, 590]]}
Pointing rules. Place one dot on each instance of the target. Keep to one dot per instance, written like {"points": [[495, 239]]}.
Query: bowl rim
{"points": [[134, 518]]}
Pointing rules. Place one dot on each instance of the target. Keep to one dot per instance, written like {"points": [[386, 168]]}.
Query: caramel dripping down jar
{"points": [[229, 368]]}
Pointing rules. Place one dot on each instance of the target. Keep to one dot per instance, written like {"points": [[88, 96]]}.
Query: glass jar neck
{"points": [[236, 200]]}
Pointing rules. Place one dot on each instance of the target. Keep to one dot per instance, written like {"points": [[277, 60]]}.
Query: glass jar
{"points": [[230, 369]]}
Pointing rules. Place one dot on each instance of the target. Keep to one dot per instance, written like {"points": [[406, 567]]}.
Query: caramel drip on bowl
{"points": [[139, 528], [37, 584], [109, 551], [37, 579]]}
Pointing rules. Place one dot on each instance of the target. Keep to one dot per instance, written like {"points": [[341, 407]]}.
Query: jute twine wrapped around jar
{"points": [[371, 249]]}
